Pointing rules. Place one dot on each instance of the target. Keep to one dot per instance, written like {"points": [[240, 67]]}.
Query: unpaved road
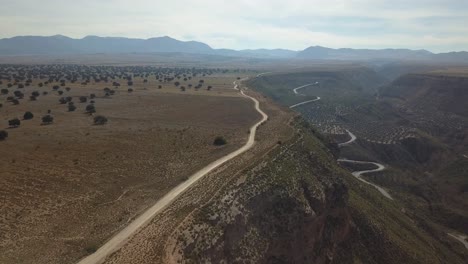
{"points": [[121, 238], [306, 102], [303, 86], [358, 174], [460, 238], [353, 138]]}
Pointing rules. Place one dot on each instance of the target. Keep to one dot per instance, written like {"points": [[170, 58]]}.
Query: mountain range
{"points": [[60, 45]]}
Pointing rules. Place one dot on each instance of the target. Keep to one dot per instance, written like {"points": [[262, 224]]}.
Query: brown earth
{"points": [[68, 186], [148, 245]]}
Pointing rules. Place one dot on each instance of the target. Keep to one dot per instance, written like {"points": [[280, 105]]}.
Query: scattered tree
{"points": [[15, 122], [83, 99], [28, 115], [47, 119], [71, 107], [219, 141], [4, 91], [100, 120], [3, 134], [90, 109]]}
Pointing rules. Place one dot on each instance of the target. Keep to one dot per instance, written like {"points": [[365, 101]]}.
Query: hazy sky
{"points": [[436, 25]]}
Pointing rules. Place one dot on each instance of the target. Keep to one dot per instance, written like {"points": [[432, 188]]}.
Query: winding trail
{"points": [[306, 102], [353, 138], [303, 86], [119, 239], [358, 174], [460, 238]]}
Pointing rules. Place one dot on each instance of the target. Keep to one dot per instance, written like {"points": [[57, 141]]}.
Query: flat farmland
{"points": [[69, 185]]}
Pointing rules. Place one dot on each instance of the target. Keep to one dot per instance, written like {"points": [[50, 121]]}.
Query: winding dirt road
{"points": [[122, 237], [306, 102], [353, 138], [358, 174], [460, 238], [303, 86]]}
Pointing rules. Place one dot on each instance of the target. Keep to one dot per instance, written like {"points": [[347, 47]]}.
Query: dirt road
{"points": [[121, 238]]}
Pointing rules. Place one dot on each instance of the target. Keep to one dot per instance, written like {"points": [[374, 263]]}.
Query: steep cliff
{"points": [[299, 206]]}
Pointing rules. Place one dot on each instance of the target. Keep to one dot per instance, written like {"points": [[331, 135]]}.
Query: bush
{"points": [[62, 100], [28, 115], [90, 109], [15, 122], [71, 107], [83, 99], [219, 141], [4, 91], [15, 101], [100, 120], [3, 134], [92, 96], [47, 119], [130, 90]]}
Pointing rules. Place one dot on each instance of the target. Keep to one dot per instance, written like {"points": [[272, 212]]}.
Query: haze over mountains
{"points": [[60, 45]]}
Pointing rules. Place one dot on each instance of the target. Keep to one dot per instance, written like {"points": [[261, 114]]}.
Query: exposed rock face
{"points": [[298, 206], [289, 209]]}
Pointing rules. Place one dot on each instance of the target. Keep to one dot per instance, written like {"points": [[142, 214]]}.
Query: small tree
{"points": [[100, 120], [90, 109], [71, 107], [15, 101], [68, 89], [3, 134], [28, 115], [92, 96], [60, 92], [47, 119], [130, 90], [4, 91], [62, 100], [15, 122], [219, 141], [35, 93], [83, 99]]}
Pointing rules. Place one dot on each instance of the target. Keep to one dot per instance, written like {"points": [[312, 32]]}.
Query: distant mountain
{"points": [[34, 45], [60, 45], [318, 52]]}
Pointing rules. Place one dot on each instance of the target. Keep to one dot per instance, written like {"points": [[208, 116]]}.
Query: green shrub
{"points": [[219, 141]]}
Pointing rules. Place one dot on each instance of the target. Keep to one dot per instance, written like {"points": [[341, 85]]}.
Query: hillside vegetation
{"points": [[299, 206]]}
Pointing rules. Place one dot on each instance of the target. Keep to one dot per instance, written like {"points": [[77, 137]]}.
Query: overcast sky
{"points": [[436, 25]]}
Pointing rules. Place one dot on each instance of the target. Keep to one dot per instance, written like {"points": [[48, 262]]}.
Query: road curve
{"points": [[358, 174], [460, 238], [119, 239], [306, 102], [353, 138], [303, 86]]}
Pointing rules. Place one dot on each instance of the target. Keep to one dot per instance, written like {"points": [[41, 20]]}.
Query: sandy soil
{"points": [[66, 187]]}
